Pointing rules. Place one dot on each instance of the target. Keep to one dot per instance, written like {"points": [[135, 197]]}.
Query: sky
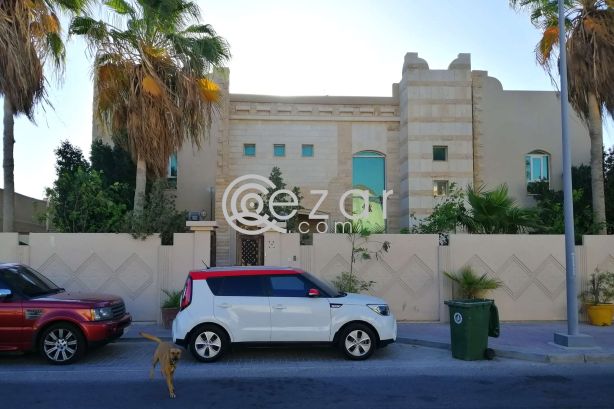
{"points": [[306, 47]]}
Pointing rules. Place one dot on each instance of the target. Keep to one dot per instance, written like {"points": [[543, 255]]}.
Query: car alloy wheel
{"points": [[62, 344], [208, 343], [357, 342]]}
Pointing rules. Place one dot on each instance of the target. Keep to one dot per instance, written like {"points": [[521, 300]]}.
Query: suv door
{"points": [[296, 317], [11, 319], [242, 304]]}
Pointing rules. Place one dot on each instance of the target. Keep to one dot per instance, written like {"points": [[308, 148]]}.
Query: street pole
{"points": [[573, 338]]}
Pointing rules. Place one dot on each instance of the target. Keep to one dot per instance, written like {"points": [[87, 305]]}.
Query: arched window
{"points": [[369, 173], [537, 166]]}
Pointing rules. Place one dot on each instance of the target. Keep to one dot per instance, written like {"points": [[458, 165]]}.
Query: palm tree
{"points": [[494, 212], [590, 57], [30, 35], [153, 89]]}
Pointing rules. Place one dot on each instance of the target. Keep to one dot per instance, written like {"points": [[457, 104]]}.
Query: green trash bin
{"points": [[470, 324]]}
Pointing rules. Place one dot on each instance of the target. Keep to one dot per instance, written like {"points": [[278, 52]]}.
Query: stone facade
{"points": [[486, 133]]}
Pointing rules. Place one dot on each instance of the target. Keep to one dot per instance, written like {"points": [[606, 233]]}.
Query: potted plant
{"points": [[170, 307], [472, 318], [600, 291]]}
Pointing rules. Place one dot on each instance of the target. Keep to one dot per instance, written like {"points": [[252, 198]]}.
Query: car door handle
{"points": [[224, 305], [279, 307]]}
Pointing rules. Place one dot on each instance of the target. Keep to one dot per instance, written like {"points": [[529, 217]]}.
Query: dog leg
{"points": [[169, 384], [153, 367]]}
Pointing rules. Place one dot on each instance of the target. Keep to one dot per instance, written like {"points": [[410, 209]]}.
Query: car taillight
{"points": [[186, 296]]}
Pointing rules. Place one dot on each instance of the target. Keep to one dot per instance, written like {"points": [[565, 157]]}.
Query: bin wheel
{"points": [[489, 354]]}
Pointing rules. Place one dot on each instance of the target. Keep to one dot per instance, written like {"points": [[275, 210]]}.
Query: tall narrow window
{"points": [[537, 167], [171, 172], [279, 150], [249, 149], [369, 173]]}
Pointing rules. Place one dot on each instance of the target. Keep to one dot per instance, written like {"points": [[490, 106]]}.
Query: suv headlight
{"points": [[381, 309], [101, 314]]}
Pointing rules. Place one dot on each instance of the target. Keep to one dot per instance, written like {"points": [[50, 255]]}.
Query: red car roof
{"points": [[242, 271]]}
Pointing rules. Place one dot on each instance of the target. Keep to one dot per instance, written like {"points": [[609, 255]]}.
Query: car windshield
{"points": [[28, 282], [323, 285]]}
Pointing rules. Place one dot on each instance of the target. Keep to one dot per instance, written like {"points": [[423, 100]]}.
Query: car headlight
{"points": [[101, 314], [381, 309]]}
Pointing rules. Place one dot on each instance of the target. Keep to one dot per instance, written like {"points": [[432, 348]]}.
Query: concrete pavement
{"points": [[531, 341]]}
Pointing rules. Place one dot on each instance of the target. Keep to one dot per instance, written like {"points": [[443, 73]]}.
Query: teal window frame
{"points": [[279, 150], [249, 149], [537, 167], [171, 171], [307, 150]]}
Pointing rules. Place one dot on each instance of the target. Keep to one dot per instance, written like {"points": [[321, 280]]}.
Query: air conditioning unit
{"points": [[196, 216]]}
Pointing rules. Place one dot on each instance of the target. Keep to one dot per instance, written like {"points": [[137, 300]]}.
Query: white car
{"points": [[276, 305]]}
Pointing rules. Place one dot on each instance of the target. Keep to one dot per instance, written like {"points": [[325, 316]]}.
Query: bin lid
{"points": [[468, 303]]}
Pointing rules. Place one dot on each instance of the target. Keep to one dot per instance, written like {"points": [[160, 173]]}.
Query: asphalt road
{"points": [[399, 376]]}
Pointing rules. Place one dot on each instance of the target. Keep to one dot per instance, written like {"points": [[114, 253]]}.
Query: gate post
{"points": [[202, 242]]}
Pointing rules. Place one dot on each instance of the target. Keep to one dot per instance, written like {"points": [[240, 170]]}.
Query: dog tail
{"points": [[150, 337]]}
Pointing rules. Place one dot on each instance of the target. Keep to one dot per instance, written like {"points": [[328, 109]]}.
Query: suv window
{"points": [[245, 286], [288, 286], [28, 282]]}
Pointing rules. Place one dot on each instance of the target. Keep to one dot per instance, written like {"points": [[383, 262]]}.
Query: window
{"points": [[242, 286], [537, 167], [249, 149], [279, 150], [288, 286], [307, 151], [171, 172], [440, 188], [369, 173], [440, 153]]}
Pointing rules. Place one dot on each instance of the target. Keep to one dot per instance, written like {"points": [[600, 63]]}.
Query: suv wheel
{"points": [[61, 344], [208, 343], [357, 341]]}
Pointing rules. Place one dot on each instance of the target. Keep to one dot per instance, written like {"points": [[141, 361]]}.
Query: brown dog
{"points": [[168, 356]]}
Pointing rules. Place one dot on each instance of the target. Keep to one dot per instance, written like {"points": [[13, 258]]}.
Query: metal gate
{"points": [[250, 250]]}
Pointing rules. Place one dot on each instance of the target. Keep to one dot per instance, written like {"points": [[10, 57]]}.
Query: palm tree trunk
{"points": [[141, 180], [8, 212], [595, 131]]}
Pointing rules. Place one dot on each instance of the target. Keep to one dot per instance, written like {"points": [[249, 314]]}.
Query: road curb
{"points": [[563, 358]]}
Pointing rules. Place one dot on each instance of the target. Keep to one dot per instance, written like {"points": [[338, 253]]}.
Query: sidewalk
{"points": [[529, 341]]}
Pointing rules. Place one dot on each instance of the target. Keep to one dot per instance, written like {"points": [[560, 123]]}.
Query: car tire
{"points": [[61, 344], [357, 341], [208, 343]]}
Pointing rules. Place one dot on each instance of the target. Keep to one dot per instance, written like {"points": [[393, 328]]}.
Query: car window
{"points": [[243, 286], [288, 286], [27, 281]]}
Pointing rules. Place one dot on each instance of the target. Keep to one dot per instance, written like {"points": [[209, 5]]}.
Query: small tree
{"points": [[359, 238], [79, 201], [115, 166], [278, 180], [158, 215]]}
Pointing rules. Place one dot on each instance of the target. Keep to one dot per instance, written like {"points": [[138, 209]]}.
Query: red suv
{"points": [[35, 314]]}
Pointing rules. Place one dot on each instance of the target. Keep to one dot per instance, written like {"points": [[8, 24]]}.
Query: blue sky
{"points": [[310, 47]]}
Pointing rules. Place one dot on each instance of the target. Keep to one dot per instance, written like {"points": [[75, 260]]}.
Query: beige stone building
{"points": [[438, 127]]}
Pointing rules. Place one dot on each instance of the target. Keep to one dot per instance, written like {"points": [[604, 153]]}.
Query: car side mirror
{"points": [[5, 293], [313, 292]]}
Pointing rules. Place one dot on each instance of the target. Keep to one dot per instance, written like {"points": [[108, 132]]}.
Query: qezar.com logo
{"points": [[243, 206]]}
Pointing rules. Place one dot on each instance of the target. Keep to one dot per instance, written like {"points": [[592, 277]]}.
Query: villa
{"points": [[438, 127]]}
